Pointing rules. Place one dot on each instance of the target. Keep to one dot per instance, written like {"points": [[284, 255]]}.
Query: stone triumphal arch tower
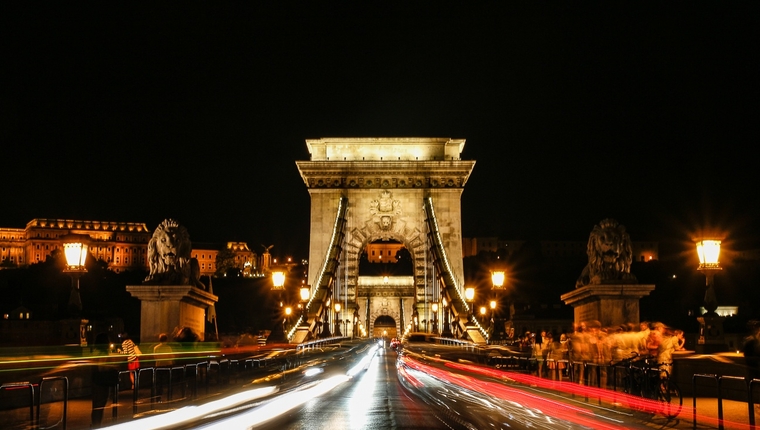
{"points": [[375, 190]]}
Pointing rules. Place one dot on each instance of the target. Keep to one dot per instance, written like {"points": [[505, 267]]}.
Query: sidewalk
{"points": [[735, 414]]}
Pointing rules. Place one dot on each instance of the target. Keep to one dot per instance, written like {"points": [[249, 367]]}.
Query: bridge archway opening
{"points": [[385, 258], [384, 327]]}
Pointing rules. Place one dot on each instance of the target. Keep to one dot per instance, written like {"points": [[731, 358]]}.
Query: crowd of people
{"points": [[589, 342]]}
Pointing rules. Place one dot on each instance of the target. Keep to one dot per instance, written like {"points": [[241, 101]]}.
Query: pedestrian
{"points": [[105, 377], [163, 354], [132, 351]]}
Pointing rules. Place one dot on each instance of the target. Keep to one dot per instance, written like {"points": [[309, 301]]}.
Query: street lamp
{"points": [[337, 320], [75, 250], [305, 293], [435, 318], [709, 253], [446, 326], [711, 324], [278, 284], [278, 281], [356, 321], [482, 313], [286, 321], [415, 320], [325, 333], [469, 294]]}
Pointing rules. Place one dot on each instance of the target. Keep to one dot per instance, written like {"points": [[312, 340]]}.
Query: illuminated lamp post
{"points": [[337, 320], [492, 305], [415, 320], [286, 321], [482, 314], [75, 250], [497, 280], [446, 325], [469, 294], [278, 284], [305, 293], [435, 318], [325, 333], [356, 321], [710, 323]]}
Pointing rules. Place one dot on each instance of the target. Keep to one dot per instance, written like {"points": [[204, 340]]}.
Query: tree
{"points": [[225, 261]]}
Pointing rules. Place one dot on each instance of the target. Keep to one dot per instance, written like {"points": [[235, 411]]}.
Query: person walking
{"points": [[132, 351], [162, 353], [105, 377]]}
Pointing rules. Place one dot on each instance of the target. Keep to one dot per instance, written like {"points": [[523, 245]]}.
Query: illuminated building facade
{"points": [[245, 259], [383, 252], [123, 245]]}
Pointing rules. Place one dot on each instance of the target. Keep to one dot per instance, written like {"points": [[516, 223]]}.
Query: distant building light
{"points": [[723, 311]]}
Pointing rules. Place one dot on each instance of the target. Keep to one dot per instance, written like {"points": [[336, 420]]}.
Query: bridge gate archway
{"points": [[364, 190], [384, 326]]}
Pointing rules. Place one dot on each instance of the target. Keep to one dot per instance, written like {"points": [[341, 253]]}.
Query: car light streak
{"points": [[190, 413], [614, 397], [637, 402], [531, 403], [313, 371], [364, 362], [277, 406], [286, 402]]}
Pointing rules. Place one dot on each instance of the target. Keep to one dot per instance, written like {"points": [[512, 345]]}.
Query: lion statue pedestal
{"points": [[172, 296], [607, 291], [167, 308], [611, 305]]}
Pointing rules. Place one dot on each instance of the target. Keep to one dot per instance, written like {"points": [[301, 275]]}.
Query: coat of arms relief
{"points": [[385, 212]]}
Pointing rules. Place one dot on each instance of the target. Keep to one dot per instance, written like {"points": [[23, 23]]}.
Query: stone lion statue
{"points": [[169, 257], [609, 256]]}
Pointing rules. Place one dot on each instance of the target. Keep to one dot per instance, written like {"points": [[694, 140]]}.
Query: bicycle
{"points": [[648, 379]]}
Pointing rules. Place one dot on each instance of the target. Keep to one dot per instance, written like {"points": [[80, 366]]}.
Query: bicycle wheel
{"points": [[671, 398]]}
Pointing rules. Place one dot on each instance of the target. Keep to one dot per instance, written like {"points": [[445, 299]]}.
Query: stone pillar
{"points": [[164, 308], [611, 305]]}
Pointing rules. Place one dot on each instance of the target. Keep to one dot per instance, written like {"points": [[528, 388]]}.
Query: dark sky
{"points": [[574, 111]]}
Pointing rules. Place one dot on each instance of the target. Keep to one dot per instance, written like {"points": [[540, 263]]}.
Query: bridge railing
{"points": [[152, 386]]}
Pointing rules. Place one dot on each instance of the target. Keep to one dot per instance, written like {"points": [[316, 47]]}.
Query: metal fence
{"points": [[152, 386]]}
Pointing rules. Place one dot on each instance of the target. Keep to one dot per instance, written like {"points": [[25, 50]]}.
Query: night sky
{"points": [[574, 111]]}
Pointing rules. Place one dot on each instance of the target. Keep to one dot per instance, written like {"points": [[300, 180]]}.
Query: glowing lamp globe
{"points": [[278, 280], [709, 254], [75, 250], [497, 278], [469, 293]]}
